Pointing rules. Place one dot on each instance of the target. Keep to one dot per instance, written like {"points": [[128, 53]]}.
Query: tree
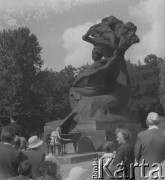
{"points": [[145, 86], [54, 88], [162, 83], [20, 62]]}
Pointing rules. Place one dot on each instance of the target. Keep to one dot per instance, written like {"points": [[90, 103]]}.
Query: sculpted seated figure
{"points": [[104, 86], [92, 81]]}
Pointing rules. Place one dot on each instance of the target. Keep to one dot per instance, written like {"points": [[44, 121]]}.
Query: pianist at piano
{"points": [[65, 139], [55, 141], [64, 133]]}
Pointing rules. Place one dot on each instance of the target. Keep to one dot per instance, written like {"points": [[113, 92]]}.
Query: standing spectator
{"points": [[17, 142], [14, 126], [150, 144], [124, 153], [9, 156], [24, 171], [35, 155]]}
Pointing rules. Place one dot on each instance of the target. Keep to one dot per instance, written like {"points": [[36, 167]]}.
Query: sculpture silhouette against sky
{"points": [[107, 79]]}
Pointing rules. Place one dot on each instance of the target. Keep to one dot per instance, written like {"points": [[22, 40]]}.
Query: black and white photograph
{"points": [[82, 89]]}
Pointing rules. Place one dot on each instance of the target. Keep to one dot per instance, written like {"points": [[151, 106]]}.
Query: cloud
{"points": [[16, 9], [10, 21], [78, 52], [151, 13]]}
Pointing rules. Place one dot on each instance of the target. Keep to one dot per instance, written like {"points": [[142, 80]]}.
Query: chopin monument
{"points": [[99, 95], [101, 92]]}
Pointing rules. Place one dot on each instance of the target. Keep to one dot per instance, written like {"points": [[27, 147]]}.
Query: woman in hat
{"points": [[35, 155]]}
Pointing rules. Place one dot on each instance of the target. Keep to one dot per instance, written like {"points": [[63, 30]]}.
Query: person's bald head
{"points": [[152, 119]]}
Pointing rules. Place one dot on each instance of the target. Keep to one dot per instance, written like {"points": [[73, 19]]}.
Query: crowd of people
{"points": [[25, 160], [21, 160], [147, 156]]}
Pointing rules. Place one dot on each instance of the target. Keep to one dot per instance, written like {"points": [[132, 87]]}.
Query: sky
{"points": [[60, 24]]}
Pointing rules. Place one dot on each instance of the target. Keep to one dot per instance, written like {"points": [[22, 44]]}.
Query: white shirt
{"points": [[153, 127], [55, 137]]}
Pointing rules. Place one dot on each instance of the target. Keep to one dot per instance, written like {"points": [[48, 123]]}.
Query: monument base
{"points": [[94, 134]]}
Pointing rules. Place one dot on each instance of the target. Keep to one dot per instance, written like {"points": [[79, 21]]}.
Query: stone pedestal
{"points": [[94, 134]]}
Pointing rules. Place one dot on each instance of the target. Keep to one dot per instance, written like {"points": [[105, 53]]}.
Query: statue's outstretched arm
{"points": [[96, 41]]}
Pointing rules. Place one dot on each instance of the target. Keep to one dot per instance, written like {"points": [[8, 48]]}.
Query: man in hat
{"points": [[35, 155], [150, 144]]}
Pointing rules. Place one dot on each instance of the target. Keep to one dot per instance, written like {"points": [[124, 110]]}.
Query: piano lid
{"points": [[56, 123], [66, 124]]}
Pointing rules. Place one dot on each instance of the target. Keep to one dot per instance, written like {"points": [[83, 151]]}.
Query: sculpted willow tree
{"points": [[102, 90]]}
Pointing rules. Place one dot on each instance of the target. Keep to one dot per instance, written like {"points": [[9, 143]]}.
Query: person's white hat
{"points": [[153, 118], [34, 142], [77, 173]]}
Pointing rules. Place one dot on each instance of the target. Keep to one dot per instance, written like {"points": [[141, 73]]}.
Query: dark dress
{"points": [[124, 155]]}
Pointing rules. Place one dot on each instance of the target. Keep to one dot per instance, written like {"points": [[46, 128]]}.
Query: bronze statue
{"points": [[111, 38], [92, 81]]}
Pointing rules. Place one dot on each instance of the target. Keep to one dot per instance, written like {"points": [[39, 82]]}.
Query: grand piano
{"points": [[70, 138], [68, 135]]}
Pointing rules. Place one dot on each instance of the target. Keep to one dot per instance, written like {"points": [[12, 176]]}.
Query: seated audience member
{"points": [[108, 155], [50, 157], [17, 142], [24, 144], [50, 169], [35, 155], [77, 173], [9, 156], [109, 150], [24, 171]]}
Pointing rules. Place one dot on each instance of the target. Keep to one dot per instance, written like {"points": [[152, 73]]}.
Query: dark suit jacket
{"points": [[35, 157], [158, 174], [9, 161], [150, 146], [125, 153]]}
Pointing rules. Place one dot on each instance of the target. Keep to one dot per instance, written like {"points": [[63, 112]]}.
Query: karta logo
{"points": [[102, 167]]}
